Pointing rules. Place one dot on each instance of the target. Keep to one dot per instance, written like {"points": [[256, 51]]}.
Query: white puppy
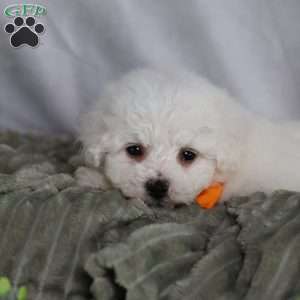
{"points": [[164, 138]]}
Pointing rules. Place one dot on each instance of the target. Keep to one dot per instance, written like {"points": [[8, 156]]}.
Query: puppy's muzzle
{"points": [[157, 188]]}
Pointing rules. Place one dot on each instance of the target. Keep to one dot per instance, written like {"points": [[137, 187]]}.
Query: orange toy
{"points": [[209, 197]]}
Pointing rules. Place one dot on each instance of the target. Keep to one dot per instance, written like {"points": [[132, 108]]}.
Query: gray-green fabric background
{"points": [[251, 47]]}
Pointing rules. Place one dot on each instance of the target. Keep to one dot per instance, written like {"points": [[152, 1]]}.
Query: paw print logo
{"points": [[24, 32]]}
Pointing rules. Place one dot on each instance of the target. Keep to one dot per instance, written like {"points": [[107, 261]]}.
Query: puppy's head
{"points": [[163, 138]]}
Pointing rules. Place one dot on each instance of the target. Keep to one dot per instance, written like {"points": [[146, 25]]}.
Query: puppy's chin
{"points": [[166, 203], [170, 201], [163, 203]]}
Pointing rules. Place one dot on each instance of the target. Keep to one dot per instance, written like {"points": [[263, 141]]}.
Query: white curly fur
{"points": [[166, 112]]}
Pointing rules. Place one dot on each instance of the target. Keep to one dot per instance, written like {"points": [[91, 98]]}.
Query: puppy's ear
{"points": [[94, 135], [231, 142], [234, 126], [229, 149], [93, 156]]}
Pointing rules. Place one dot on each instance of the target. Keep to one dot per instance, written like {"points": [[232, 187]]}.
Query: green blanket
{"points": [[61, 240]]}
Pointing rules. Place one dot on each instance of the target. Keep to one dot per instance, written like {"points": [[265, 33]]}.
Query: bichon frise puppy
{"points": [[164, 138]]}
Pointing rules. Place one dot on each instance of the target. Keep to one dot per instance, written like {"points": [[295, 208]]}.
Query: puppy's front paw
{"points": [[91, 178]]}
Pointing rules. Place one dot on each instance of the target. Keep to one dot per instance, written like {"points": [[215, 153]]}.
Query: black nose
{"points": [[157, 188]]}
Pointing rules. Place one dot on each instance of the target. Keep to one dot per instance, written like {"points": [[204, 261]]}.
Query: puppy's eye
{"points": [[136, 151], [187, 156]]}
